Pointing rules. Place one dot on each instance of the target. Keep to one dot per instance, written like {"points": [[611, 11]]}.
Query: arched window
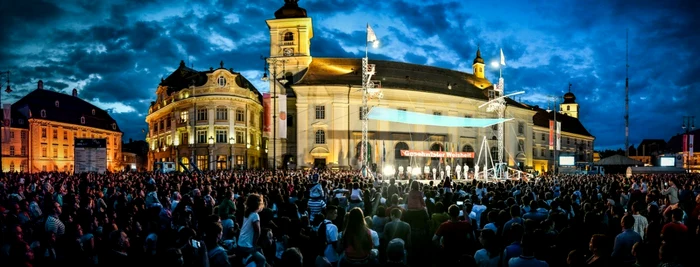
{"points": [[320, 137], [43, 113], [82, 120], [222, 81], [436, 147], [114, 126], [288, 36], [56, 103], [568, 108], [468, 161], [397, 150], [93, 111]]}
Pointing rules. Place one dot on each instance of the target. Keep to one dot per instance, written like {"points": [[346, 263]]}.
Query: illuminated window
{"points": [[43, 132], [44, 150], [221, 114], [12, 150], [55, 134], [240, 115], [320, 137], [183, 116]]}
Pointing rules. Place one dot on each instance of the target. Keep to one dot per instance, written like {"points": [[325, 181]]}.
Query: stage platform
{"points": [[470, 181]]}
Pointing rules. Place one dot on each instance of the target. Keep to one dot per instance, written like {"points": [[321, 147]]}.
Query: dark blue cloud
{"points": [[117, 53]]}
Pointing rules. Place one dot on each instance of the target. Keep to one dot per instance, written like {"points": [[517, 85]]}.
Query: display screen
{"points": [[667, 161], [567, 161]]}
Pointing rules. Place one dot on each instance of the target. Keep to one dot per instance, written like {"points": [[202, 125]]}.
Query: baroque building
{"points": [[43, 128], [210, 118], [324, 99]]}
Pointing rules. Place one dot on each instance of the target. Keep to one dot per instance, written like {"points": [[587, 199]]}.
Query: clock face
{"points": [[288, 52]]}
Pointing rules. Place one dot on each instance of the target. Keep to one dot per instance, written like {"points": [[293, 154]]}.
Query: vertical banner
{"points": [[282, 127], [690, 145], [558, 135], [7, 118], [685, 143], [551, 135], [267, 116]]}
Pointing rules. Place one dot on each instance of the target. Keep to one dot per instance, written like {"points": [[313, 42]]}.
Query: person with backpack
{"points": [[327, 236]]}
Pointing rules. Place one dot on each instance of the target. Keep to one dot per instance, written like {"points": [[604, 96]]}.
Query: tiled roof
{"points": [[70, 109], [568, 124]]}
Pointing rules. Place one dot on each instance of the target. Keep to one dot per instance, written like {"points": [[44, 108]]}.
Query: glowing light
{"points": [[389, 170], [375, 44], [495, 64], [408, 117], [415, 171]]}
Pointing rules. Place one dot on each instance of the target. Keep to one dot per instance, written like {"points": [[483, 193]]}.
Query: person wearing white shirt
{"points": [[250, 231]]}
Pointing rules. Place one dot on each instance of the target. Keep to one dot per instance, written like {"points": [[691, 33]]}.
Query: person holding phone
{"points": [[672, 193]]}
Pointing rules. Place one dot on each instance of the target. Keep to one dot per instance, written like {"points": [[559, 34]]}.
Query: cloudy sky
{"points": [[115, 52]]}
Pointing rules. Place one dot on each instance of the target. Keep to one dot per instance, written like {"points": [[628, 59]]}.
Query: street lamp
{"points": [[554, 147], [688, 125], [232, 141], [283, 81], [211, 152]]}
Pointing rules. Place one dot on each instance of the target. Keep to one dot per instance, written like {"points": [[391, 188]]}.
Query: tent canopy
{"points": [[408, 117], [652, 170], [618, 160]]}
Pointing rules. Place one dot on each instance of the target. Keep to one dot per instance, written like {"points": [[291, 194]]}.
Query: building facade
{"points": [[209, 118], [44, 125], [324, 99]]}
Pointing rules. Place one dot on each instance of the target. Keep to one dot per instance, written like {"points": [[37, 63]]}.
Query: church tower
{"points": [[478, 66], [290, 38], [569, 106]]}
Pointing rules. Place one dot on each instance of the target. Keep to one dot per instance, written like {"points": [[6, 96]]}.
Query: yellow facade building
{"points": [[324, 101], [209, 118], [43, 127]]}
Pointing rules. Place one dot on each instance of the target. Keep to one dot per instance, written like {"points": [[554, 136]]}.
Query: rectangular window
{"points": [[65, 135], [239, 160], [12, 135], [533, 135], [167, 123], [55, 151], [55, 134], [43, 168], [12, 150], [240, 116], [437, 113], [568, 140], [521, 128], [221, 114], [43, 150], [23, 135], [542, 137], [240, 137], [23, 150], [162, 125], [184, 138], [43, 132], [201, 136], [320, 112], [202, 114], [202, 162], [183, 116], [221, 136], [168, 140], [65, 153], [542, 152]]}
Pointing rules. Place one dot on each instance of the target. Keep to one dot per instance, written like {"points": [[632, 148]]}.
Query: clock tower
{"points": [[290, 38]]}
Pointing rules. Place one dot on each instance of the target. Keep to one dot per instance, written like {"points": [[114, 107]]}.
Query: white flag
{"points": [[558, 135], [503, 59], [371, 37]]}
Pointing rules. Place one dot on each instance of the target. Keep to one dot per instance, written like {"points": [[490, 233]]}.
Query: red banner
{"points": [[685, 142], [436, 154], [267, 116], [551, 135]]}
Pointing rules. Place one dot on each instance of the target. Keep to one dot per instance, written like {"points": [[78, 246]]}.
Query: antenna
{"points": [[627, 93]]}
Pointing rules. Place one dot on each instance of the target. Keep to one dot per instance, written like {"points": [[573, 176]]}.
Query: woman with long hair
{"points": [[356, 242], [250, 231]]}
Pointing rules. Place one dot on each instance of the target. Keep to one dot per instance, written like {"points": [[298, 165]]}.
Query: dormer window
{"points": [[82, 119], [93, 111], [56, 103], [222, 81], [288, 36], [114, 126], [43, 113], [21, 121]]}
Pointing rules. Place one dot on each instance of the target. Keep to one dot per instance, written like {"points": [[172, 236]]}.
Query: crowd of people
{"points": [[338, 218]]}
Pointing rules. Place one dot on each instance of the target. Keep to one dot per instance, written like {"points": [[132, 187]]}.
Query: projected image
{"points": [[667, 161], [567, 161]]}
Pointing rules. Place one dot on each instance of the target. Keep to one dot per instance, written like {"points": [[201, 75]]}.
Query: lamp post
{"points": [[274, 62], [688, 125], [6, 122], [232, 141], [211, 152], [554, 110]]}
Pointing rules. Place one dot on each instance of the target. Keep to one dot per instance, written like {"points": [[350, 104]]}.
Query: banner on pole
{"points": [[685, 143], [267, 116], [551, 135], [436, 154], [690, 145], [282, 116], [558, 135]]}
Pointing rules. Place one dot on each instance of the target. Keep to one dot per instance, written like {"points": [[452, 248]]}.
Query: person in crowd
{"points": [[491, 255], [356, 242], [622, 250], [250, 231], [397, 228], [527, 259]]}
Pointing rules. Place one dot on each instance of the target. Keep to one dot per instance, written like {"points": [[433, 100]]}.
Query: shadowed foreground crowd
{"points": [[298, 218]]}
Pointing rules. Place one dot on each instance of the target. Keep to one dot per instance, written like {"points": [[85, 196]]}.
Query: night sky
{"points": [[115, 52]]}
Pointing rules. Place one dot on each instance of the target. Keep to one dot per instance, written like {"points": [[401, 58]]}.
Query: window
{"points": [[320, 137], [320, 112], [202, 162], [93, 112], [288, 36], [167, 124], [494, 127], [162, 125], [65, 153], [82, 120], [494, 153], [184, 138], [43, 113], [221, 136], [437, 113], [43, 150], [362, 113], [290, 121], [397, 150], [56, 103], [542, 152], [568, 140], [568, 108], [12, 135], [542, 137], [240, 137], [521, 145], [402, 109], [239, 160], [65, 135], [533, 135], [183, 116], [201, 136], [521, 128], [115, 141], [202, 114], [12, 150], [222, 81], [55, 151], [55, 134], [43, 168], [43, 132], [221, 114], [240, 115], [12, 166], [23, 150], [23, 135]]}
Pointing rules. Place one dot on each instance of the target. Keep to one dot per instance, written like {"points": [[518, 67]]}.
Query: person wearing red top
{"points": [[455, 237], [675, 231], [415, 197]]}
